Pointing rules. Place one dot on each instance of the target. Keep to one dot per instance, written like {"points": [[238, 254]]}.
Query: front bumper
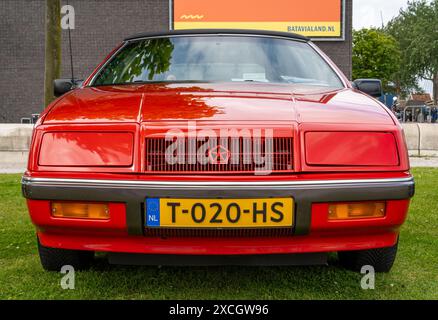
{"points": [[311, 233]]}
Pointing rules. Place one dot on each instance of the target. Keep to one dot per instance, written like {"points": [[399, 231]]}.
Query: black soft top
{"points": [[217, 31]]}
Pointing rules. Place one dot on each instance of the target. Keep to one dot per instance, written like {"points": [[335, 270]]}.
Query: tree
{"points": [[53, 48], [375, 55], [416, 30], [154, 55]]}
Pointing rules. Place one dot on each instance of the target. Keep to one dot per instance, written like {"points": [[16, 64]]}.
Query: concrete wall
{"points": [[422, 138], [419, 136], [100, 26], [14, 146]]}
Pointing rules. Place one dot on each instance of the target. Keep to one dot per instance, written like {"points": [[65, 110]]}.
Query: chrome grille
{"points": [[279, 153], [217, 233]]}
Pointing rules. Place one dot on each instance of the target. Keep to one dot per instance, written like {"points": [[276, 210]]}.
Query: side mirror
{"points": [[61, 86], [372, 87]]}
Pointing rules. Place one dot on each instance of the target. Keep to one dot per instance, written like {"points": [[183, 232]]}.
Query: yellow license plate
{"points": [[219, 213]]}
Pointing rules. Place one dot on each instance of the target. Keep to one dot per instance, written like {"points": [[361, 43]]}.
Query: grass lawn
{"points": [[414, 275]]}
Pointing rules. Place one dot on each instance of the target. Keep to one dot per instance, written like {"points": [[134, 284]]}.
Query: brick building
{"points": [[99, 26]]}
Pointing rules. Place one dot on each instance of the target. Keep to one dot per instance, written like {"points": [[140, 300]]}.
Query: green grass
{"points": [[414, 275]]}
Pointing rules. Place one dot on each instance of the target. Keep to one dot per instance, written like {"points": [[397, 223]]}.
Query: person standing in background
{"points": [[434, 114]]}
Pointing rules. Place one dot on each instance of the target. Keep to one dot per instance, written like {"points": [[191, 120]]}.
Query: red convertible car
{"points": [[217, 147]]}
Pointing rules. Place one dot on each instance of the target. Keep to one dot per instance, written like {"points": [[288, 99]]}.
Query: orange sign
{"points": [[318, 19]]}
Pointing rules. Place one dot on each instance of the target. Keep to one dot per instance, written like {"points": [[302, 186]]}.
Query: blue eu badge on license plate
{"points": [[153, 212]]}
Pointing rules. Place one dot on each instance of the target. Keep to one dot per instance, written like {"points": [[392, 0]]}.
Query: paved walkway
{"points": [[424, 161], [12, 168]]}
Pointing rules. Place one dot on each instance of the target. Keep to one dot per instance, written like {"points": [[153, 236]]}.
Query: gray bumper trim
{"points": [[133, 192], [203, 184]]}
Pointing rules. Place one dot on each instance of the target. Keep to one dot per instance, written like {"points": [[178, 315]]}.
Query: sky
{"points": [[369, 13]]}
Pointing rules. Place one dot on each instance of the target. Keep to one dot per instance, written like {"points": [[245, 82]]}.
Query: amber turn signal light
{"points": [[356, 210], [80, 210]]}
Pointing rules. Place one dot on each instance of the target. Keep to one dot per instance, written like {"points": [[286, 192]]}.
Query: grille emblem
{"points": [[219, 155]]}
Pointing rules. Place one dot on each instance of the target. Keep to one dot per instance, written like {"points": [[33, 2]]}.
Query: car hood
{"points": [[213, 101]]}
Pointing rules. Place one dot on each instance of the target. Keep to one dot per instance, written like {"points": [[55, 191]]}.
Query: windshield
{"points": [[218, 59]]}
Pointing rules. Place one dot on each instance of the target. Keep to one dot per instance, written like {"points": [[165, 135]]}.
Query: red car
{"points": [[218, 147]]}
